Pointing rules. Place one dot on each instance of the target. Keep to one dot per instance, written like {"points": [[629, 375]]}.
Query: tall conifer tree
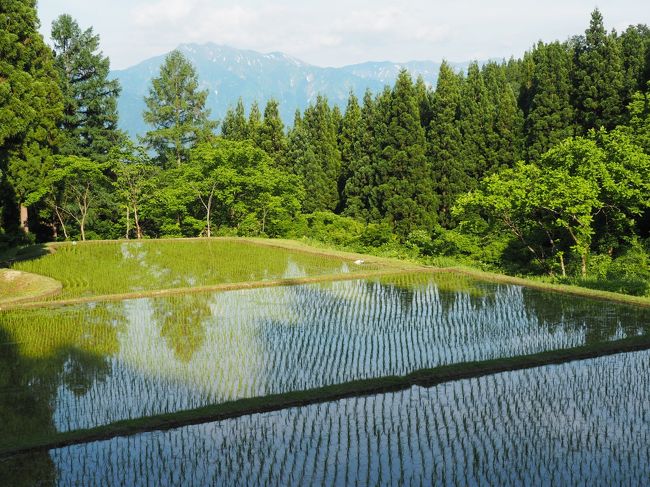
{"points": [[30, 105], [235, 125], [506, 143], [450, 176], [176, 111], [89, 126], [476, 116], [361, 181], [321, 179], [272, 138], [550, 119], [254, 123], [404, 194], [598, 78], [350, 144]]}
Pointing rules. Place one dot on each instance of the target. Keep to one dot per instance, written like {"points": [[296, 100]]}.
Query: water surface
{"points": [[582, 423], [82, 366]]}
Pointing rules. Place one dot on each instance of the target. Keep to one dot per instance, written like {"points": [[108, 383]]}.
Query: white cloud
{"points": [[336, 32]]}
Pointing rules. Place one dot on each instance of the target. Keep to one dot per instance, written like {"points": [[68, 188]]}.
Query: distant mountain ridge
{"points": [[230, 73]]}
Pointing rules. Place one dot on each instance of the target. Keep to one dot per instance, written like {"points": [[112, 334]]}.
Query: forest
{"points": [[536, 166]]}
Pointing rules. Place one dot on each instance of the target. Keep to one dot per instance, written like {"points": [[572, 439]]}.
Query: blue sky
{"points": [[339, 32]]}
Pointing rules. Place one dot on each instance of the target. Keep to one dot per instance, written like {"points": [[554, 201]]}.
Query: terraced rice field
{"points": [[582, 423], [104, 362], [65, 368], [93, 269]]}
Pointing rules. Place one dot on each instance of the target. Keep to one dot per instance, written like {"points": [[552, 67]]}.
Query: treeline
{"points": [[535, 165]]}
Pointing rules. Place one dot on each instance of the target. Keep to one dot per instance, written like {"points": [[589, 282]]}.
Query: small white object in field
{"points": [[359, 261], [74, 242]]}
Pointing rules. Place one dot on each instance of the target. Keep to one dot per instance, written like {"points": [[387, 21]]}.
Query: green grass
{"points": [[106, 268], [242, 407]]}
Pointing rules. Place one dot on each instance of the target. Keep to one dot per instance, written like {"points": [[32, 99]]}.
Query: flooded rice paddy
{"points": [[93, 269], [581, 423], [87, 365]]}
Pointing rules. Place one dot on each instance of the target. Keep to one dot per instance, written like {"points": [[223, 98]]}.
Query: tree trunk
{"points": [[128, 222], [60, 217], [24, 218], [208, 222], [584, 265], [562, 264], [136, 219]]}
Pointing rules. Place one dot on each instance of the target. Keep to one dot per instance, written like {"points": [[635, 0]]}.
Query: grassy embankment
{"points": [[243, 407]]}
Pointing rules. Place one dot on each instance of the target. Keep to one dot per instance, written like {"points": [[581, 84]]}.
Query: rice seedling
{"points": [[91, 269], [579, 423]]}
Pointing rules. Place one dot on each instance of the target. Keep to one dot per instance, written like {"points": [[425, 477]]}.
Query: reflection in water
{"points": [[583, 423], [96, 364]]}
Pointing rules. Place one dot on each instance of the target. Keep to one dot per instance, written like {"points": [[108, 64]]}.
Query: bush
{"points": [[376, 235]]}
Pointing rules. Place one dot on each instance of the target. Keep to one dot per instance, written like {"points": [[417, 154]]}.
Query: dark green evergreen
{"points": [[476, 124], [450, 176], [89, 124], [272, 138], [350, 145], [598, 78], [30, 108], [404, 192], [320, 166], [550, 117], [506, 143], [235, 125], [254, 124], [633, 52]]}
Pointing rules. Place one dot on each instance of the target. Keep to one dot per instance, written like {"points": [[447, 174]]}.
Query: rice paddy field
{"points": [[68, 368], [94, 269], [583, 423]]}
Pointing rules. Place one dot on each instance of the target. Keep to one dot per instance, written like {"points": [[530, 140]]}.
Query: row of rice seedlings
{"points": [[582, 423], [89, 269], [164, 355]]}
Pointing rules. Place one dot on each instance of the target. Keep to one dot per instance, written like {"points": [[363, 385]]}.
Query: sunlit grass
{"points": [[91, 269]]}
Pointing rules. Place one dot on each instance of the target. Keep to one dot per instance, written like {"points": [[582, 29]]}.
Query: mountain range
{"points": [[229, 73]]}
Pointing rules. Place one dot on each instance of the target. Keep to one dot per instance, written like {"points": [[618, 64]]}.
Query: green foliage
{"points": [[176, 111], [329, 228], [445, 143], [639, 110], [350, 142], [271, 137], [598, 78], [476, 125], [583, 191], [235, 125], [30, 102], [550, 117], [89, 124], [404, 190], [81, 188], [314, 156], [237, 184]]}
